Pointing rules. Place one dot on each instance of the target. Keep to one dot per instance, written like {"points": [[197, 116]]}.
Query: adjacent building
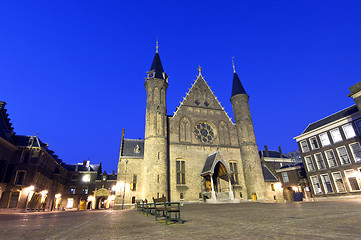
{"points": [[331, 152]]}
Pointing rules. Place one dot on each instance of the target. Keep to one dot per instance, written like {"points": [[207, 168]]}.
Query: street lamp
{"points": [[125, 180]]}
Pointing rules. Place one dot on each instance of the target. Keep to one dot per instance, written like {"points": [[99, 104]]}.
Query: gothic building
{"points": [[196, 154]]}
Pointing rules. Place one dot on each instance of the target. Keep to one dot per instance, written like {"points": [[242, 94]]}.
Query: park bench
{"points": [[165, 209]]}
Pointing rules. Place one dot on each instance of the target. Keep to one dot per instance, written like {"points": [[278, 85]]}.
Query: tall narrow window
{"points": [[309, 164], [356, 151], [304, 146], [331, 159], [319, 161], [181, 172], [19, 179], [285, 177], [324, 139], [134, 184], [314, 143], [358, 126], [352, 180], [234, 172], [316, 185], [336, 135], [326, 183], [349, 131], [342, 153], [337, 179]]}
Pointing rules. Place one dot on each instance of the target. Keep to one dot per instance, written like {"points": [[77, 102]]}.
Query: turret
{"points": [[155, 181], [252, 168]]}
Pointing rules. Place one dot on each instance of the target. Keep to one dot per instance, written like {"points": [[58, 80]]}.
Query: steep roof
{"points": [[268, 175], [338, 115], [133, 148], [157, 67], [271, 153], [237, 87]]}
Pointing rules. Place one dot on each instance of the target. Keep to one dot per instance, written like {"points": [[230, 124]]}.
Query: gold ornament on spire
{"points": [[234, 68], [156, 46]]}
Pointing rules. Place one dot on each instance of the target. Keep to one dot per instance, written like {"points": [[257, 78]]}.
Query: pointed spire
{"points": [[156, 46], [157, 67], [199, 71], [237, 87]]}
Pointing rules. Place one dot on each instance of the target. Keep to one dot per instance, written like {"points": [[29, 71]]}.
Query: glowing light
{"points": [[90, 198], [44, 192], [114, 188], [120, 185], [295, 189], [86, 178], [31, 188], [112, 197], [278, 186], [57, 195]]}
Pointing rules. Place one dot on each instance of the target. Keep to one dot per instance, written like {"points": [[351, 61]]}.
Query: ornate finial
{"points": [[156, 46], [234, 68], [199, 70]]}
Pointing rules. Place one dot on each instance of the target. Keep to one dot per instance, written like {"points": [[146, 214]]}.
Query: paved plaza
{"points": [[308, 220]]}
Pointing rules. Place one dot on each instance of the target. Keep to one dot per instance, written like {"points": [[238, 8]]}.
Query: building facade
{"points": [[331, 152], [196, 154]]}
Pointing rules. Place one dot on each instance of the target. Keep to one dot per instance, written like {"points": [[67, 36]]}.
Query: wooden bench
{"points": [[165, 209]]}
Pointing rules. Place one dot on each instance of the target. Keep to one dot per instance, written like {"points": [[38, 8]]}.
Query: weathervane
{"points": [[234, 68], [156, 46]]}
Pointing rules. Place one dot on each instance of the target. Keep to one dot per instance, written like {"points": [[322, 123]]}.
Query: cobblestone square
{"points": [[306, 220]]}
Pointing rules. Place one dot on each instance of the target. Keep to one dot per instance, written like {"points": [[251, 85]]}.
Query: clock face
{"points": [[204, 132]]}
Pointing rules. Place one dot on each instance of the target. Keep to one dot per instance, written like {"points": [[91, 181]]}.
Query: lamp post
{"points": [[125, 180]]}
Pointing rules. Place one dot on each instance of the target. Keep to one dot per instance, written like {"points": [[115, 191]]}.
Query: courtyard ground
{"points": [[307, 220]]}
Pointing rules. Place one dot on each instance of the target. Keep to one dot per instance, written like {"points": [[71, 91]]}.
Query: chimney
{"points": [[279, 149], [113, 173], [266, 151]]}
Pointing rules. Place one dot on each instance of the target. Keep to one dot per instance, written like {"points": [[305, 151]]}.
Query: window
{"points": [[234, 172], [134, 185], [181, 172], [324, 139], [70, 203], [336, 135], [74, 178], [342, 153], [309, 164], [352, 180], [349, 131], [72, 190], [331, 159], [319, 161], [19, 179], [181, 195], [285, 177], [337, 179], [356, 151], [316, 185], [326, 183], [304, 146], [314, 143], [85, 190]]}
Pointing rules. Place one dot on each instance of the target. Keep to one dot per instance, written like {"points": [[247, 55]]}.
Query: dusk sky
{"points": [[74, 70]]}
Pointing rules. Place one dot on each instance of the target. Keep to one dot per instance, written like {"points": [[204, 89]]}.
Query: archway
{"points": [[217, 178]]}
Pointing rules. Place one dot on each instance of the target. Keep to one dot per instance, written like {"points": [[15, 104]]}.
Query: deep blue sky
{"points": [[74, 70]]}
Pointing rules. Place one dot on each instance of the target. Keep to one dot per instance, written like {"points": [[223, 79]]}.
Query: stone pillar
{"points": [[213, 194], [231, 195]]}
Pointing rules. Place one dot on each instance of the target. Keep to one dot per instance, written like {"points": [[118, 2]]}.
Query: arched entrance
{"points": [[103, 198], [217, 179]]}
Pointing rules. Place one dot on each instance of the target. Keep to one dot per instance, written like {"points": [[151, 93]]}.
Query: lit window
{"points": [[352, 180], [336, 135], [319, 161], [70, 203], [285, 177], [86, 178], [326, 183], [309, 164], [342, 153], [356, 151], [181, 172], [331, 159], [234, 172], [19, 179], [358, 126], [304, 146], [314, 143], [316, 185], [349, 131], [72, 190], [337, 179], [85, 190], [324, 139]]}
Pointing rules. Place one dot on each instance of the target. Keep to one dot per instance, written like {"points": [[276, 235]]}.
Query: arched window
{"points": [[234, 172], [184, 130], [223, 133]]}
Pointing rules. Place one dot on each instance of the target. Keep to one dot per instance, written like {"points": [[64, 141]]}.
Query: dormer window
{"points": [[137, 149], [151, 74]]}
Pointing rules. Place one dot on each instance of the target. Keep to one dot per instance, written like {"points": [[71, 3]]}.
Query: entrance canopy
{"points": [[215, 165]]}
